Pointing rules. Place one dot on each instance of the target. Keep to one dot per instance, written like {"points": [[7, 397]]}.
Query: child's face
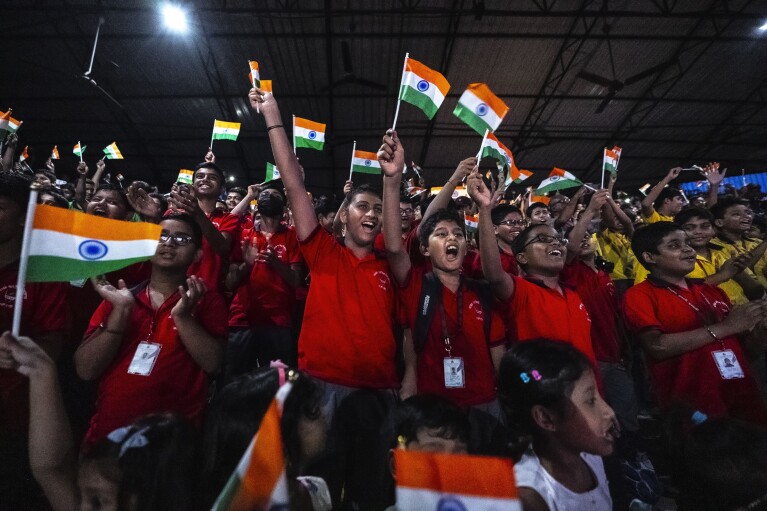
{"points": [[207, 183], [736, 219], [363, 219], [97, 492], [109, 204], [590, 424], [511, 225], [540, 216], [431, 440], [545, 251], [699, 232], [587, 246], [675, 254], [674, 205], [447, 246]]}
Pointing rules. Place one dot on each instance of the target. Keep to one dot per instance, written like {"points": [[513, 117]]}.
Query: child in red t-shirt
{"points": [[696, 341]]}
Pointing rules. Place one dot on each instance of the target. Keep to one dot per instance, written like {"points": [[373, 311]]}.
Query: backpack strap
{"points": [[431, 296]]}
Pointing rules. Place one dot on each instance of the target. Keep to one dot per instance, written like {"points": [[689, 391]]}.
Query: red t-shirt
{"points": [[508, 263], [44, 311], [211, 267], [267, 298], [535, 311], [468, 343], [347, 335], [693, 377], [176, 383], [597, 292]]}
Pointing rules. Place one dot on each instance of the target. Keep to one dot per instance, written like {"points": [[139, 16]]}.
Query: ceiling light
{"points": [[231, 178], [175, 18], [763, 27]]}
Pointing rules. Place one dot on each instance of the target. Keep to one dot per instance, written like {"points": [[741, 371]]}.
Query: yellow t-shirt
{"points": [[734, 248], [616, 248], [657, 217]]}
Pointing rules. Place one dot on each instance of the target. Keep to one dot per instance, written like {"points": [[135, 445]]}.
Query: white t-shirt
{"points": [[529, 473]]}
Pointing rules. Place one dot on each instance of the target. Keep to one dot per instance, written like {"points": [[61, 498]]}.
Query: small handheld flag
{"points": [[480, 108], [24, 153], [517, 175], [254, 76], [272, 172], [79, 150], [308, 134], [185, 176], [493, 148], [55, 153], [112, 152], [8, 124], [472, 221], [266, 86], [559, 179], [610, 160], [365, 162], [223, 130], [423, 87]]}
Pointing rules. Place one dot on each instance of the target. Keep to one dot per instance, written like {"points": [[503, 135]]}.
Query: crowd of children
{"points": [[544, 335]]}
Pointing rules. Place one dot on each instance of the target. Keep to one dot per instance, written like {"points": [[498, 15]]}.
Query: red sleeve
{"points": [[408, 296], [235, 254], [294, 248], [213, 314], [99, 317], [497, 329], [229, 223], [639, 310], [51, 310], [318, 246]]}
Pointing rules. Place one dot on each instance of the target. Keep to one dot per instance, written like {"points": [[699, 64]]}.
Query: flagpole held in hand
{"points": [[294, 134], [396, 111], [351, 165], [212, 133], [484, 139], [80, 145], [604, 155], [23, 261], [253, 79]]}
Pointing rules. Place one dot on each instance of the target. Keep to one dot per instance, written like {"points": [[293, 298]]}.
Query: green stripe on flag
{"points": [[363, 169], [473, 120], [225, 136], [61, 269], [420, 100], [492, 152], [309, 143], [558, 185]]}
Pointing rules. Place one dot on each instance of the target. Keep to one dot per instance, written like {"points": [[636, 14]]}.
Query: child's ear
{"points": [[718, 222], [649, 257], [544, 418], [424, 250], [521, 258], [344, 215]]}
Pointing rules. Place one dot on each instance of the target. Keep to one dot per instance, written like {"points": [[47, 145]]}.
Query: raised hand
{"points": [[12, 140], [142, 203], [254, 191], [82, 168], [210, 157], [673, 173], [23, 355], [49, 165], [101, 165], [260, 100], [348, 186], [184, 200], [463, 170], [712, 174], [119, 297], [478, 190], [391, 155], [189, 297], [598, 200]]}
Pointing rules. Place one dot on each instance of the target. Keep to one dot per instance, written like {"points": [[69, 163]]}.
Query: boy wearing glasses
{"points": [[153, 346], [536, 305], [508, 222]]}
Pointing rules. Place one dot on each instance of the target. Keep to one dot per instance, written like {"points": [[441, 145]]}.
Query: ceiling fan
{"points": [[349, 76], [87, 75]]}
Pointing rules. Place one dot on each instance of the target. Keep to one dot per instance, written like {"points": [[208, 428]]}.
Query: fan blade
{"points": [[648, 72], [346, 57], [599, 80], [371, 84], [346, 79], [606, 101]]}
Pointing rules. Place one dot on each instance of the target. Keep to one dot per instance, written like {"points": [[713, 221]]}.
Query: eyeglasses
{"points": [[178, 239], [545, 238], [513, 223], [406, 212]]}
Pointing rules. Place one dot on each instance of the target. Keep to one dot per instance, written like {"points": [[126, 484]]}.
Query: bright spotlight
{"points": [[763, 27], [175, 18]]}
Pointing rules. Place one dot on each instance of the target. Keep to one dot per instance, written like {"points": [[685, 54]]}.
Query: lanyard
{"points": [[459, 316], [706, 319]]}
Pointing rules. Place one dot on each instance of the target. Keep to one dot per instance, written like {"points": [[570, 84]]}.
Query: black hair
{"points": [[428, 411], [498, 213], [163, 200], [518, 245], [237, 189], [111, 187], [303, 402], [324, 206], [760, 221], [667, 193], [427, 226], [212, 166], [648, 237], [537, 372], [725, 203], [688, 214], [357, 190], [535, 205], [47, 173], [156, 476], [193, 225], [144, 186], [277, 188], [15, 187], [58, 199]]}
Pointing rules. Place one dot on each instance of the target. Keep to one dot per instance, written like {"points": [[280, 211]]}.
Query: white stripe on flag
{"points": [[366, 163], [419, 498], [319, 136], [58, 244], [432, 91], [480, 108]]}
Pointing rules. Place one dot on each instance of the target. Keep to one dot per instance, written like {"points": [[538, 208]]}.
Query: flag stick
{"points": [[294, 134], [253, 78], [396, 112], [484, 138], [81, 150], [351, 165], [22, 277], [212, 133], [604, 155]]}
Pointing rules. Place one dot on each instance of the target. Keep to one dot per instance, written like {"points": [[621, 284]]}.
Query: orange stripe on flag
{"points": [[253, 65], [266, 465], [483, 92], [558, 172], [429, 75], [310, 125], [88, 226], [365, 155], [266, 85], [479, 476]]}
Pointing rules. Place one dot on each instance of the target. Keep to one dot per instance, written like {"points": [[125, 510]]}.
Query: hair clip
{"points": [[134, 440], [525, 377], [402, 441], [536, 375]]}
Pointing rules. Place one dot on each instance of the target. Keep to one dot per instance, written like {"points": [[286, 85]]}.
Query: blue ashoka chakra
{"points": [[450, 504], [312, 135], [92, 250], [554, 178], [422, 86], [368, 163], [481, 109]]}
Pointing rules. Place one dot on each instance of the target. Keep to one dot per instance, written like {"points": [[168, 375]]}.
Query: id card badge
{"points": [[144, 358], [454, 374], [728, 364]]}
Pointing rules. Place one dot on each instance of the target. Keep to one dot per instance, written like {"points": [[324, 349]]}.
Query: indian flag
{"points": [[559, 179], [254, 76], [112, 152], [454, 481], [517, 175], [24, 153], [79, 150], [266, 86], [272, 172], [472, 221], [223, 130], [308, 133], [610, 159], [493, 148], [423, 87], [365, 163], [8, 124], [480, 108], [259, 481], [55, 153], [185, 176], [68, 245]]}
